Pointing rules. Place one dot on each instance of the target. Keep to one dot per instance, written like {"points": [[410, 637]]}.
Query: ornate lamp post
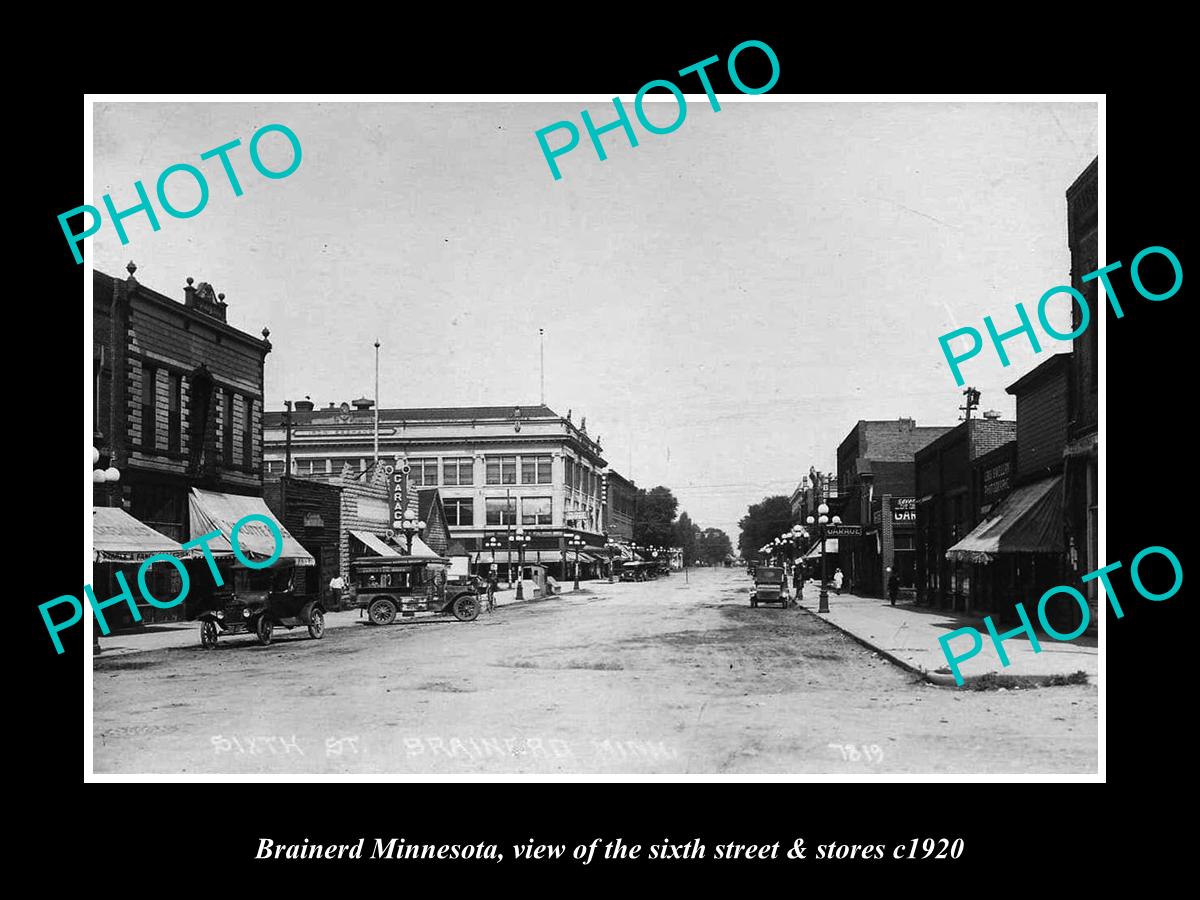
{"points": [[109, 475], [577, 542], [520, 539], [411, 526], [492, 543], [822, 523]]}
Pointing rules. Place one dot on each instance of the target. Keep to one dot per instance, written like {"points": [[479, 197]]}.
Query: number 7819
{"points": [[850, 752]]}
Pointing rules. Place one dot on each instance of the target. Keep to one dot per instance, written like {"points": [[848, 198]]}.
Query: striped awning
{"points": [[119, 537]]}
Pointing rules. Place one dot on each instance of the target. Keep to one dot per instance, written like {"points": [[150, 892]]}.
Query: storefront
{"points": [[120, 543]]}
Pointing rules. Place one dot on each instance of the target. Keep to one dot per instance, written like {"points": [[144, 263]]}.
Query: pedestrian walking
{"points": [[491, 591], [336, 585], [798, 582], [893, 587], [838, 578]]}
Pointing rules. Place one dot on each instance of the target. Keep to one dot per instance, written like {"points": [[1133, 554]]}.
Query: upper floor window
{"points": [[535, 470], [247, 432], [149, 406], [501, 470], [424, 472], [174, 411], [458, 471]]}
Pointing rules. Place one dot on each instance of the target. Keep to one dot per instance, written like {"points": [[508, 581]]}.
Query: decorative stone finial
{"points": [[190, 280], [131, 268], [221, 297], [266, 332]]}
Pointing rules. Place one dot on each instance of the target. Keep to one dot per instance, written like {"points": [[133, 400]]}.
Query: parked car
{"points": [[255, 601], [769, 586], [406, 585]]}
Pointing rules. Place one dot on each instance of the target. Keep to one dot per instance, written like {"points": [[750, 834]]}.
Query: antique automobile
{"points": [[387, 585], [254, 601], [769, 586]]}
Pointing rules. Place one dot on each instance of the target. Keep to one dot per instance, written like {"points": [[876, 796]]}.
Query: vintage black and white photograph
{"points": [[526, 437]]}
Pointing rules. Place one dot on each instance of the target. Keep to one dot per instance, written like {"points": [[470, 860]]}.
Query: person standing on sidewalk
{"points": [[893, 587], [491, 591], [337, 584], [798, 581], [838, 577]]}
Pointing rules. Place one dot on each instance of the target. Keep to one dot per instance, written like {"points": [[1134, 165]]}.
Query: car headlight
{"points": [[220, 615], [245, 613]]}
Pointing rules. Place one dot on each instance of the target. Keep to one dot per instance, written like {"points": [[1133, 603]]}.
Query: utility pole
{"points": [[287, 453], [542, 361], [972, 396], [377, 403]]}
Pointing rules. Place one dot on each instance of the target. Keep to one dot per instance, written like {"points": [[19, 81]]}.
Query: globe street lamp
{"points": [[492, 543], [822, 523], [520, 539], [577, 542], [411, 526]]}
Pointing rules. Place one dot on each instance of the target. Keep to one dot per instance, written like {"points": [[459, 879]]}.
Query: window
{"points": [[337, 463], [247, 432], [460, 511], [227, 427], [458, 471], [149, 406], [424, 472], [501, 470], [174, 404], [535, 470], [501, 511], [535, 510], [310, 467], [568, 472], [274, 466]]}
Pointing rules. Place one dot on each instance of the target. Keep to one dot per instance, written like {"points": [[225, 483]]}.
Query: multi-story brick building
{"points": [[876, 460], [499, 470], [947, 508], [620, 494], [178, 402], [1081, 475]]}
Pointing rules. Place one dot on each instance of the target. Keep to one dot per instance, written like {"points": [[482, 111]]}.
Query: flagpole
{"points": [[542, 361], [376, 403]]}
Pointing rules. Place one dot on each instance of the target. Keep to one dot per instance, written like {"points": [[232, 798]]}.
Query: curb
{"points": [[934, 678]]}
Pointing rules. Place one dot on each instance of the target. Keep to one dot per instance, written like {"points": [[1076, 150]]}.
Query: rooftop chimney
{"points": [[362, 403], [305, 405], [992, 414]]}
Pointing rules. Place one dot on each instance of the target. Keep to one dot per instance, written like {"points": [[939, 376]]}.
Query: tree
{"points": [[654, 517], [713, 546], [687, 535], [764, 522]]}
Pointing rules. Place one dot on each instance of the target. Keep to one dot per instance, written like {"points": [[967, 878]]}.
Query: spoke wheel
{"points": [[466, 608], [208, 634], [382, 612], [264, 628], [316, 624]]}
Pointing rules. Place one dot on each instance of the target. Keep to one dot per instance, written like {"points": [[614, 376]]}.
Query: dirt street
{"points": [[665, 676]]}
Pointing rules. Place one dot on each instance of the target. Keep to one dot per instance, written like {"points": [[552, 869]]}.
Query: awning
{"points": [[1029, 520], [375, 544], [119, 537], [831, 547], [213, 511]]}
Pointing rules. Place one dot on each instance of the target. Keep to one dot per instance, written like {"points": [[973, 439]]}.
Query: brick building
{"points": [[1081, 475], [178, 403], [948, 506], [619, 495], [1019, 542], [876, 460]]}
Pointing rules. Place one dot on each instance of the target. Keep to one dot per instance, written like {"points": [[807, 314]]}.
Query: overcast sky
{"points": [[722, 303]]}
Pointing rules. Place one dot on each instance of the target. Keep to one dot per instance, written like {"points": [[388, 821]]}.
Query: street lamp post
{"points": [[577, 542], [109, 475], [822, 522], [492, 543], [411, 526], [520, 539]]}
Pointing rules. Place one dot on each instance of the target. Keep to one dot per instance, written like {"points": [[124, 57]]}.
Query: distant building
{"points": [[876, 460], [618, 506], [498, 469]]}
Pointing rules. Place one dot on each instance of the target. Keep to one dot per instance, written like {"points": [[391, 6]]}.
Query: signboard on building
{"points": [[834, 531], [397, 490], [996, 481], [904, 509]]}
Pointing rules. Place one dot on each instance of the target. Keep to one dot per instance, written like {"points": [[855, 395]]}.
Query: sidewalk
{"points": [[908, 635], [180, 635]]}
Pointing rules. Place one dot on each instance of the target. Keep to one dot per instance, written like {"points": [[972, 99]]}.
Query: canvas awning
{"points": [[118, 537], [375, 544], [419, 548], [213, 511], [831, 547], [1029, 520]]}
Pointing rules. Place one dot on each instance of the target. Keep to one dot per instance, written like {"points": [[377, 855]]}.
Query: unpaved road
{"points": [[660, 677]]}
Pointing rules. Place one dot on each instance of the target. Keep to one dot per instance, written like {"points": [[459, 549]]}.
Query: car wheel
{"points": [[753, 603], [316, 624], [264, 628], [382, 612], [466, 608], [208, 634]]}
